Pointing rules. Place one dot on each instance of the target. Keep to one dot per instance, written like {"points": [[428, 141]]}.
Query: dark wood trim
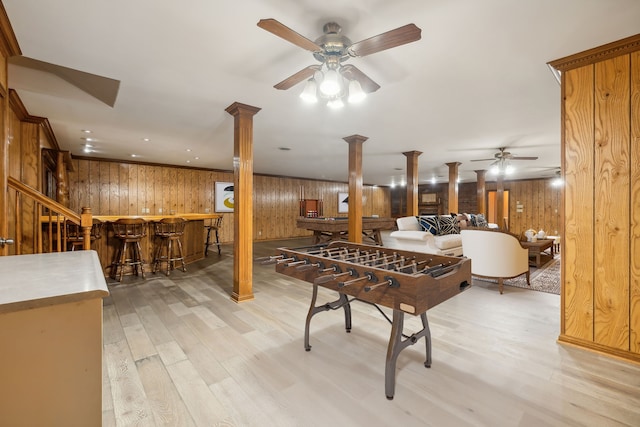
{"points": [[598, 54], [8, 41], [23, 115]]}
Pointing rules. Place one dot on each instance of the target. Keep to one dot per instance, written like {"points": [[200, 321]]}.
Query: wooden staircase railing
{"points": [[55, 217]]}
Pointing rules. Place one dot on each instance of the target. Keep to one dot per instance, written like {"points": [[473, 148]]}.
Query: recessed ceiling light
{"points": [[87, 139], [86, 131], [146, 139], [188, 161], [134, 155], [188, 150], [197, 158]]}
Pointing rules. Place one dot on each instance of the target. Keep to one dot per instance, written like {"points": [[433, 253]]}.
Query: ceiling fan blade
{"points": [[403, 35], [284, 32], [296, 78], [351, 72], [481, 160], [523, 158]]}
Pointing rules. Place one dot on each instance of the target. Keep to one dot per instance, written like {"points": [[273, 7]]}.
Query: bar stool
{"points": [[129, 231], [75, 237], [215, 225], [169, 230]]}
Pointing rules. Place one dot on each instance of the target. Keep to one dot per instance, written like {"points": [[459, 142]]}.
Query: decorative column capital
{"points": [[355, 138], [238, 108]]}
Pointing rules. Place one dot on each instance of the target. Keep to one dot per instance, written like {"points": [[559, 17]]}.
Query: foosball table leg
{"points": [[427, 339], [342, 301], [397, 344]]}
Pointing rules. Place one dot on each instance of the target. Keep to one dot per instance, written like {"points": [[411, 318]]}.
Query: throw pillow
{"points": [[429, 223], [481, 221], [448, 225], [474, 220]]}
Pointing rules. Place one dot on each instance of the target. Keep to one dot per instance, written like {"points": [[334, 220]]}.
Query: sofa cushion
{"points": [[408, 223], [448, 241], [430, 223], [448, 225], [481, 221], [410, 235]]}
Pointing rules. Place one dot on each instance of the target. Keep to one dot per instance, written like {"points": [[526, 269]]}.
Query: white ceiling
{"points": [[476, 81]]}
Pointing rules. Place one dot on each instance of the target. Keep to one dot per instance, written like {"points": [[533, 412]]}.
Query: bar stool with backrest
{"points": [[75, 237], [215, 225], [169, 231], [129, 231]]}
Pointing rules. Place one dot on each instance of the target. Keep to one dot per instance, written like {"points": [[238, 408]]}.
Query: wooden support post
{"points": [[355, 186], [243, 200], [412, 182], [500, 200], [481, 192], [453, 186]]}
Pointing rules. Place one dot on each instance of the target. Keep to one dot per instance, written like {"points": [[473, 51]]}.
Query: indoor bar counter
{"points": [[192, 240]]}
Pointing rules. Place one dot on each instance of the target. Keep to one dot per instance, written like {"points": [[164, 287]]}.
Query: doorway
{"points": [[492, 208]]}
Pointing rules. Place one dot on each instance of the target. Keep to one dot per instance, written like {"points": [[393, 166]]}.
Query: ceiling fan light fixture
{"points": [[309, 93], [508, 169], [356, 94], [330, 85]]}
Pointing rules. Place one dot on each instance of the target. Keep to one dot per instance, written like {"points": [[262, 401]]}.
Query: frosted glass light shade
{"points": [[356, 94], [309, 92], [335, 103], [330, 84]]}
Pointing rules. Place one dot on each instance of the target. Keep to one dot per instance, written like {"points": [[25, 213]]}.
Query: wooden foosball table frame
{"points": [[406, 282]]}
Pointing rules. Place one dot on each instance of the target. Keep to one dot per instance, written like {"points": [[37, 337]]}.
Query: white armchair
{"points": [[495, 254]]}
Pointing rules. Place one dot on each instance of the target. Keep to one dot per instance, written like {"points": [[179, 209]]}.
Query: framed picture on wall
{"points": [[224, 197], [343, 202], [429, 198]]}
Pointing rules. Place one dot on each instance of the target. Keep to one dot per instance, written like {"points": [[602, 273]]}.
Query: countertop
{"points": [[32, 281], [187, 216]]}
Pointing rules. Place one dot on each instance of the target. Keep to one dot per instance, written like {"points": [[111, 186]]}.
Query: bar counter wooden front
{"points": [[192, 240]]}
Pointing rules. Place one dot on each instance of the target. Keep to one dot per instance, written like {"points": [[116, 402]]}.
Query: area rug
{"points": [[544, 279]]}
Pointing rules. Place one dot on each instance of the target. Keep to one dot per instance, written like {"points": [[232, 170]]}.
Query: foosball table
{"points": [[404, 281]]}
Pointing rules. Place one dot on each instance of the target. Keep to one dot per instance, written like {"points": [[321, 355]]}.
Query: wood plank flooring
{"points": [[179, 352]]}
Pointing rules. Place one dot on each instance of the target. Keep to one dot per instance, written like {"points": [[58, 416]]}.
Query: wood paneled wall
{"points": [[115, 188], [540, 200], [601, 162]]}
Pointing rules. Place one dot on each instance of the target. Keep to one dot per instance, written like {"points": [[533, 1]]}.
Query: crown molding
{"points": [[598, 54]]}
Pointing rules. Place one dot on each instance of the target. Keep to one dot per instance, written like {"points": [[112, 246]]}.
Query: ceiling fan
{"points": [[502, 159], [331, 79]]}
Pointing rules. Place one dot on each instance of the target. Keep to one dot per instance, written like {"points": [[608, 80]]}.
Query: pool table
{"points": [[326, 229]]}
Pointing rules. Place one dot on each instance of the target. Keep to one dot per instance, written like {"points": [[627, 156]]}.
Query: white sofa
{"points": [[411, 237]]}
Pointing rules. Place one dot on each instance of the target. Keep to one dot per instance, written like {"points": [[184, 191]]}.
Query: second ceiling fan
{"points": [[501, 161], [331, 79]]}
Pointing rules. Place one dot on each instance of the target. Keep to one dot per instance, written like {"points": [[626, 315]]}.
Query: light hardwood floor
{"points": [[179, 352]]}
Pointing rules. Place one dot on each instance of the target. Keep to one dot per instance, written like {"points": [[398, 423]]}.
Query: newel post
{"points": [[86, 222]]}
